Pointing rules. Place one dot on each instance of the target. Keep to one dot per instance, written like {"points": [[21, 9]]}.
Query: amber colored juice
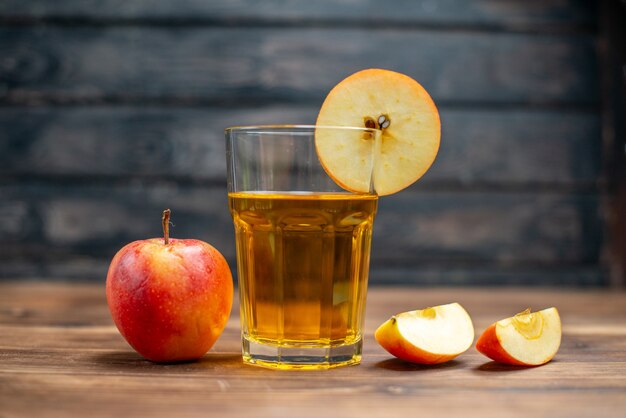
{"points": [[303, 261]]}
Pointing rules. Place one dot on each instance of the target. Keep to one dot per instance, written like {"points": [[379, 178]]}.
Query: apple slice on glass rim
{"points": [[397, 105]]}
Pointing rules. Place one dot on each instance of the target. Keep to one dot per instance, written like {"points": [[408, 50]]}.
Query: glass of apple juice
{"points": [[303, 245]]}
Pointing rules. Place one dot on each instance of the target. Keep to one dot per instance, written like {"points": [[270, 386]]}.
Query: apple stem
{"points": [[165, 221]]}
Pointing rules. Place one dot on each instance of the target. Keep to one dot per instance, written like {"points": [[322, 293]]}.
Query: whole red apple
{"points": [[170, 298]]}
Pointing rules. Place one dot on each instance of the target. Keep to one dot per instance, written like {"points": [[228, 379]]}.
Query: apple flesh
{"points": [[428, 336], [526, 339], [401, 109], [170, 300]]}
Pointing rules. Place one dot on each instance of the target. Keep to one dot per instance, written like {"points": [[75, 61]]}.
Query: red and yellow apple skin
{"points": [[427, 336], [169, 301], [391, 340], [489, 345], [526, 339]]}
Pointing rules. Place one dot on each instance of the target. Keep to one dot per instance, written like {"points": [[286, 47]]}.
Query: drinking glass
{"points": [[303, 246]]}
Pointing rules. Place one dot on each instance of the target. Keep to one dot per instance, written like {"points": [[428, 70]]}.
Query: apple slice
{"points": [[398, 106], [526, 339], [427, 336]]}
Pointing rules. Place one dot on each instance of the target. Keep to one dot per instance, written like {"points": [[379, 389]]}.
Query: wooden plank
{"points": [[613, 61], [412, 228], [63, 399], [81, 268], [86, 363], [63, 356], [507, 227], [481, 12], [242, 65], [497, 147], [456, 273], [47, 305]]}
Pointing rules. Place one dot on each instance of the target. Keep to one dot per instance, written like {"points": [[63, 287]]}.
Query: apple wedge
{"points": [[401, 109], [526, 339], [427, 336]]}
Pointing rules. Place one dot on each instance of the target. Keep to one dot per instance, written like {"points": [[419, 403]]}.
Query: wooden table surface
{"points": [[61, 355]]}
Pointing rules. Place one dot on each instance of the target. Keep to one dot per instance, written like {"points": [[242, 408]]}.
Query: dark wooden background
{"points": [[112, 110]]}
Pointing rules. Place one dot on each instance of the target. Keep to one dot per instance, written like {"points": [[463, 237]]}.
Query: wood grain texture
{"points": [[613, 40], [77, 268], [510, 227], [504, 147], [415, 229], [509, 13], [111, 110], [239, 65], [63, 356]]}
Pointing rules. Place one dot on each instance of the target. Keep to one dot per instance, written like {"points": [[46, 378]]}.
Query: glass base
{"points": [[301, 358]]}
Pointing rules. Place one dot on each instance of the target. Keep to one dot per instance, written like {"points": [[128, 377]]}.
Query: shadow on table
{"points": [[403, 366], [493, 366], [131, 361], [489, 367]]}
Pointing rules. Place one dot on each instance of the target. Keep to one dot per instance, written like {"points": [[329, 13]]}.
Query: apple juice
{"points": [[303, 261]]}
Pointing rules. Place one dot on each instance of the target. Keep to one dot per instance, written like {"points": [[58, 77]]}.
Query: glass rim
{"points": [[286, 128]]}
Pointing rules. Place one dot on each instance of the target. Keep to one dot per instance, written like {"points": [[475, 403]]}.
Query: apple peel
{"points": [[169, 298], [526, 339], [427, 336]]}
